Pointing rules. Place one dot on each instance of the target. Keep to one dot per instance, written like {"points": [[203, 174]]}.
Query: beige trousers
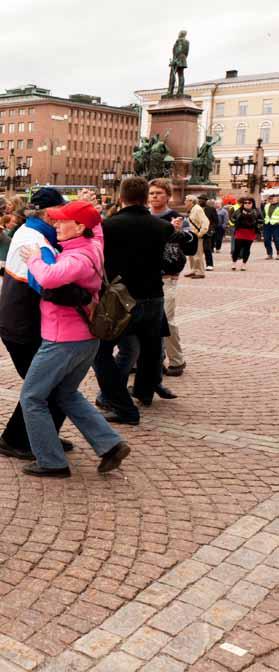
{"points": [[172, 342], [196, 262]]}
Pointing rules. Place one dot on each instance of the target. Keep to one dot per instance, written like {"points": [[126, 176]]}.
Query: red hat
{"points": [[82, 212]]}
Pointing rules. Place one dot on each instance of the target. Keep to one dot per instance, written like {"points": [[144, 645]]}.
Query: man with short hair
{"points": [[20, 314], [199, 223], [271, 225], [160, 192], [134, 245], [223, 218]]}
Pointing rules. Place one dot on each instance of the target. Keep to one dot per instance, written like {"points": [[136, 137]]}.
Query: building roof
{"points": [[31, 93], [236, 79]]}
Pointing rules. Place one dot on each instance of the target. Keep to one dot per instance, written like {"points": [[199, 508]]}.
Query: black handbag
{"points": [[173, 259], [70, 295]]}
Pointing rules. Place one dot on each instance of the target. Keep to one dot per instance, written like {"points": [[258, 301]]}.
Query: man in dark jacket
{"points": [[134, 245], [211, 214], [20, 315]]}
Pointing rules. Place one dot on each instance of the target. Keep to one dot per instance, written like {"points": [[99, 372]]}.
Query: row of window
{"points": [[243, 108], [20, 128], [17, 111], [76, 146], [240, 139], [21, 159], [84, 161], [101, 130], [20, 144], [88, 114]]}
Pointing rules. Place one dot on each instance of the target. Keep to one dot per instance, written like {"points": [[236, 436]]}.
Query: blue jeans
{"points": [[271, 233], [59, 368], [146, 325]]}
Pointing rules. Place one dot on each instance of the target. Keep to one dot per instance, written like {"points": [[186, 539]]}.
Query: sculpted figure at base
{"points": [[178, 64], [152, 158], [202, 166]]}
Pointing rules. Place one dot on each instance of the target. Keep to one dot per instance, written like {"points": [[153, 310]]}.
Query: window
{"points": [[20, 144], [1, 144], [2, 113], [31, 110], [220, 109], [242, 108], [29, 144], [12, 113], [240, 134], [11, 144], [30, 126], [21, 128], [265, 133], [2, 128], [11, 128], [218, 130], [29, 161], [267, 107], [216, 167], [22, 112]]}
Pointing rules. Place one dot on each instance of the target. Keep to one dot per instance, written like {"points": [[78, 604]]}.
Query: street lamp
{"points": [[114, 176], [255, 171]]}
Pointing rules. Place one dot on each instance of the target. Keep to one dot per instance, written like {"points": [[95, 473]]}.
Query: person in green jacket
{"points": [[271, 225]]}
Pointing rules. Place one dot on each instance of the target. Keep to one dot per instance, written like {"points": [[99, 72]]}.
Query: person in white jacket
{"points": [[199, 223]]}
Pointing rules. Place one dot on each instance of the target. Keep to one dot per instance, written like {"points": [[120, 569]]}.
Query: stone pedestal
{"points": [[177, 117]]}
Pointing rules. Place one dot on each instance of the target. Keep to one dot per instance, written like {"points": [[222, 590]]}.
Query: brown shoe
{"points": [[188, 275], [198, 277], [112, 459]]}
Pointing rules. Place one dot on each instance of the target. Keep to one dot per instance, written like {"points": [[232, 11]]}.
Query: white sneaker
{"points": [[209, 268]]}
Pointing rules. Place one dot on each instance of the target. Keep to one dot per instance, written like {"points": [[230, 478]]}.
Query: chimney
{"points": [[230, 74]]}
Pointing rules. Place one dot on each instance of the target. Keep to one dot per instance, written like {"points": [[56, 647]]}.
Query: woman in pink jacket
{"points": [[68, 348]]}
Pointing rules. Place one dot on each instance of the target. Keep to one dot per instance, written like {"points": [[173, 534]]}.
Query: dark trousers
{"points": [[271, 233], [218, 237], [241, 249], [207, 248], [146, 325], [15, 433]]}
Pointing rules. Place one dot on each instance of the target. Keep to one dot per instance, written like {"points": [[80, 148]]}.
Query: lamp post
{"points": [[13, 177], [253, 172], [113, 177]]}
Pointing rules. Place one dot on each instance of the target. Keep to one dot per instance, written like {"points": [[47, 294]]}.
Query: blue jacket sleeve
{"points": [[49, 258]]}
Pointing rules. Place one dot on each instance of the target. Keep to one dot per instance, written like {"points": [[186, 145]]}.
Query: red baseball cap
{"points": [[82, 212]]}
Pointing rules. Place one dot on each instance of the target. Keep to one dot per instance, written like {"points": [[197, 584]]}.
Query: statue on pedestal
{"points": [[203, 164], [178, 64]]}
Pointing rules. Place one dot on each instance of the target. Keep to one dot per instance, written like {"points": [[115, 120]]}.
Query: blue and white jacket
{"points": [[20, 294]]}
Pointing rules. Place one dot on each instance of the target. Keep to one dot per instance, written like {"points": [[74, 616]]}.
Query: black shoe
{"points": [[113, 417], [33, 469], [145, 401], [114, 457], [176, 370], [10, 451], [67, 446], [104, 405], [165, 392]]}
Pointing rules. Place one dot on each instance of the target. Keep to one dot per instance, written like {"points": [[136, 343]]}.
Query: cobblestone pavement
{"points": [[172, 563]]}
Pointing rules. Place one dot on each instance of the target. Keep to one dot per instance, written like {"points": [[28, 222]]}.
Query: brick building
{"points": [[65, 141]]}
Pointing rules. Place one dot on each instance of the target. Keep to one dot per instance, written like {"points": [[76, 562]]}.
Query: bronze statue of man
{"points": [[178, 64]]}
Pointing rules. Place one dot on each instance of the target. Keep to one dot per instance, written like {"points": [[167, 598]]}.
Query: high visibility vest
{"points": [[236, 206], [274, 219]]}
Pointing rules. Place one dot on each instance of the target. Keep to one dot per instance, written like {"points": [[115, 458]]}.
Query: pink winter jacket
{"points": [[74, 264]]}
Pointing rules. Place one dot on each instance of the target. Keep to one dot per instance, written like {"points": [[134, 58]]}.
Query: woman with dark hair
{"points": [[247, 221]]}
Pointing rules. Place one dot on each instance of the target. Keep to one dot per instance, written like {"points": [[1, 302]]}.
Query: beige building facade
{"points": [[240, 109]]}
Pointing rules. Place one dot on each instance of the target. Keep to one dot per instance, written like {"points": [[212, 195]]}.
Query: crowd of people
{"points": [[54, 255]]}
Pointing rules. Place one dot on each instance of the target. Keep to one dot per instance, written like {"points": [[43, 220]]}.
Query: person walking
{"points": [[271, 225], [20, 314], [247, 225], [223, 219], [134, 245], [208, 239], [160, 192], [68, 348], [199, 224]]}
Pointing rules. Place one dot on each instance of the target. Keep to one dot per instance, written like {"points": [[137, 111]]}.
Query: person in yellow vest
{"points": [[271, 225]]}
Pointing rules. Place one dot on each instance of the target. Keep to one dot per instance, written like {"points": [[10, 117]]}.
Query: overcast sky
{"points": [[111, 48]]}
